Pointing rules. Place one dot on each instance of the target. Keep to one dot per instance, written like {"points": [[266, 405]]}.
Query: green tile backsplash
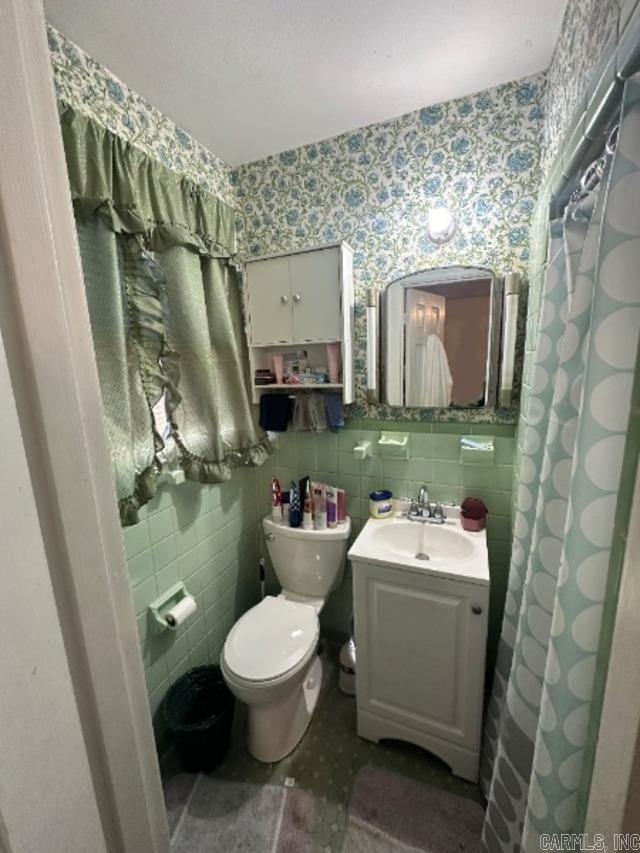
{"points": [[434, 459], [207, 536]]}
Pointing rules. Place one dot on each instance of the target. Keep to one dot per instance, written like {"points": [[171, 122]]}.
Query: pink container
{"points": [[333, 360], [278, 367], [473, 525], [474, 507]]}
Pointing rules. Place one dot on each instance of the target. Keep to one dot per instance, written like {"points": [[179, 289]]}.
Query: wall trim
{"points": [[45, 325], [614, 798]]}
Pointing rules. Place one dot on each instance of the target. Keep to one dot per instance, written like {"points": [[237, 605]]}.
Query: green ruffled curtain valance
{"points": [[138, 195], [166, 316]]}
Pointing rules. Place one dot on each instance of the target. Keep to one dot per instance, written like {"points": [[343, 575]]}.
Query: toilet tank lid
{"points": [[342, 531]]}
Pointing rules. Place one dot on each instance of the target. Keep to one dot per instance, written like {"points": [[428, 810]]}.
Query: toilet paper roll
{"points": [[177, 614]]}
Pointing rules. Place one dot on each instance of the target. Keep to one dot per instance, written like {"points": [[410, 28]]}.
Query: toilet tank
{"points": [[307, 562]]}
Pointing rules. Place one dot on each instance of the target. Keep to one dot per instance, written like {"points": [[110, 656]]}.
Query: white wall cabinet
{"points": [[316, 295], [302, 300], [269, 301], [420, 642]]}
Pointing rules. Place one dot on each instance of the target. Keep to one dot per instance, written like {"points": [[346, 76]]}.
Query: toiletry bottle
{"points": [[307, 515], [295, 516], [302, 483], [332, 506], [319, 506], [285, 500], [342, 505], [276, 500]]}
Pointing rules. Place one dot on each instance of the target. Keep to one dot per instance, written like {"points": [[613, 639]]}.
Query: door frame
{"points": [[614, 796], [44, 323]]}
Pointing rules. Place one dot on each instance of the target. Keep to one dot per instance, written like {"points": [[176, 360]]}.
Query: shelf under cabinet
{"points": [[324, 386], [284, 346]]}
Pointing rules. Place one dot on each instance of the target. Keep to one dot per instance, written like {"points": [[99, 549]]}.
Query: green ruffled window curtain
{"points": [[166, 314]]}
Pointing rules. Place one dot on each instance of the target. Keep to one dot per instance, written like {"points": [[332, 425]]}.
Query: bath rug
{"points": [[391, 813], [230, 817]]}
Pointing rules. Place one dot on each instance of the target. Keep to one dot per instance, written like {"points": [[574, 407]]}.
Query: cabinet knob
{"points": [[297, 297], [476, 609], [283, 299]]}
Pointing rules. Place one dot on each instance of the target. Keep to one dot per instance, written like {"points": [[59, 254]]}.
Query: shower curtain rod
{"points": [[602, 99], [594, 172]]}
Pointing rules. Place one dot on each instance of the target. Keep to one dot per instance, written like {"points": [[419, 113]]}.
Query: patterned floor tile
{"points": [[330, 756]]}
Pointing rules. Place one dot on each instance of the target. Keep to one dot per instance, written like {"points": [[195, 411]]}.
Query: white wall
{"points": [[47, 800]]}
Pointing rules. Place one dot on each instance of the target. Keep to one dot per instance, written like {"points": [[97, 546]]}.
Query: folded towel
{"points": [[318, 412], [309, 412], [334, 410], [275, 412], [302, 419]]}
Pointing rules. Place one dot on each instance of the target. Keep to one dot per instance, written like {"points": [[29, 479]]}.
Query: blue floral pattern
{"points": [[88, 87], [586, 29], [374, 186]]}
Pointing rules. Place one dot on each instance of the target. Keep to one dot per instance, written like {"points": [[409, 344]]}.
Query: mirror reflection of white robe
{"points": [[432, 374]]}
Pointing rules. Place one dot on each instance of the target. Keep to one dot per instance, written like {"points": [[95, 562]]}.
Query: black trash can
{"points": [[198, 711]]}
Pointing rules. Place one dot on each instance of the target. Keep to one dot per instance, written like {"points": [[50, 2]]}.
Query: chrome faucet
{"points": [[421, 510], [423, 497]]}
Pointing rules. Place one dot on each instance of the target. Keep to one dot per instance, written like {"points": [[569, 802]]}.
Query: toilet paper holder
{"points": [[160, 606]]}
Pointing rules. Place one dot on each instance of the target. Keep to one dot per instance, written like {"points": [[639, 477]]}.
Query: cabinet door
{"points": [[315, 291], [420, 651], [269, 301]]}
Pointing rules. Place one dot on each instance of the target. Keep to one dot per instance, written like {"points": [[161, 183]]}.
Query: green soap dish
{"points": [[476, 449], [394, 445]]}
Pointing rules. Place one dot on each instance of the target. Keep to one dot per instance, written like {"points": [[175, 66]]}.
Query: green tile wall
{"points": [[434, 460], [207, 536]]}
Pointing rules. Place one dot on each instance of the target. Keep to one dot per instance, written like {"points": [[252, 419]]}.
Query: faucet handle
{"points": [[438, 512]]}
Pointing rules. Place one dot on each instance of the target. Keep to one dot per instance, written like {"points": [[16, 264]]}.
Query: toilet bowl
{"points": [[270, 660]]}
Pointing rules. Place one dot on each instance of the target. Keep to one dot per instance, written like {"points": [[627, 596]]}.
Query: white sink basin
{"points": [[424, 542], [441, 549]]}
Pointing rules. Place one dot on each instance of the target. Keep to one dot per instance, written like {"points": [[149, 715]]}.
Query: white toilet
{"points": [[269, 659]]}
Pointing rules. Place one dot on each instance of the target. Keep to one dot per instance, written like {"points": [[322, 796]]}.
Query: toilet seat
{"points": [[273, 639]]}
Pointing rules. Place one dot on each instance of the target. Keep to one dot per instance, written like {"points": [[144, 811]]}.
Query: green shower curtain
{"points": [[166, 314], [540, 712]]}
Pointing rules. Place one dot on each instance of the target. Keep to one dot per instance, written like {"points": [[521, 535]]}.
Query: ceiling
{"points": [[249, 78]]}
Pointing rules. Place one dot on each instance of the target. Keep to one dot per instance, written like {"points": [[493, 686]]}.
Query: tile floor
{"points": [[324, 764]]}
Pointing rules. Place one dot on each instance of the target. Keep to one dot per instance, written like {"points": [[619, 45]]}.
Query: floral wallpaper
{"points": [[373, 187], [587, 32], [93, 90], [586, 28], [483, 155]]}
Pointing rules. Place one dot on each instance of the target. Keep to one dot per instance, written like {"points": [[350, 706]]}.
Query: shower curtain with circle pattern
{"points": [[568, 479]]}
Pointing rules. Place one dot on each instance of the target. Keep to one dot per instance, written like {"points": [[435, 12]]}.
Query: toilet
{"points": [[270, 659]]}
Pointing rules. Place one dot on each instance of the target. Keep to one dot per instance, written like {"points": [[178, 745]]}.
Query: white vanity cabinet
{"points": [[420, 651]]}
